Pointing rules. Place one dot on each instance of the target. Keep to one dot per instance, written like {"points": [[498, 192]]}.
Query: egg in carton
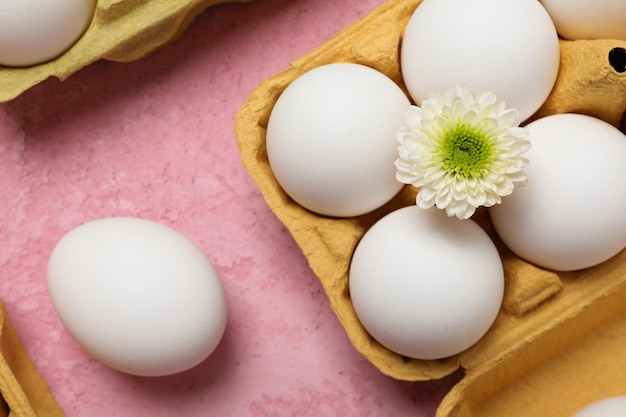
{"points": [[120, 30], [556, 344]]}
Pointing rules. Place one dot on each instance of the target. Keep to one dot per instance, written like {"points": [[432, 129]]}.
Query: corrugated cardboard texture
{"points": [[121, 30], [538, 303]]}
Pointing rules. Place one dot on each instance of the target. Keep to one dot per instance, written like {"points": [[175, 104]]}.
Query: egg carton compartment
{"points": [[545, 316], [568, 354], [121, 30]]}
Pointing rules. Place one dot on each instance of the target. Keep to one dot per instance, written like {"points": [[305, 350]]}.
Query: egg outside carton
{"points": [[121, 31], [546, 318]]}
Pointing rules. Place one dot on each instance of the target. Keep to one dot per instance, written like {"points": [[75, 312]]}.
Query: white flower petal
{"points": [[425, 198], [420, 162]]}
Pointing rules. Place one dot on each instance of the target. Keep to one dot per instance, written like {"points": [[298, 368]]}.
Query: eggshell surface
{"points": [[572, 213], [485, 45], [37, 31], [137, 295], [610, 407], [425, 285], [584, 19], [331, 139]]}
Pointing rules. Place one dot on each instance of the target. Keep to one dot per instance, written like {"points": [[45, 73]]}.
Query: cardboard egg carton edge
{"points": [[24, 392], [121, 30], [533, 295]]}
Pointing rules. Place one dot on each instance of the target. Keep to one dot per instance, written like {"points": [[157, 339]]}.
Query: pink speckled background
{"points": [[155, 139]]}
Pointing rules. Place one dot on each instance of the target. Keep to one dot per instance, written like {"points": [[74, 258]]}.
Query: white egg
{"points": [[572, 213], [609, 407], [508, 47], [331, 139], [425, 285], [36, 31], [137, 295], [585, 19]]}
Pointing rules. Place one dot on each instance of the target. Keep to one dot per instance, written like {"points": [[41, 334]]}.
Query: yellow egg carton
{"points": [[121, 30], [23, 392], [559, 340]]}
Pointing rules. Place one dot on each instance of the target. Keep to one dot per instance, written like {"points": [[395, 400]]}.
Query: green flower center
{"points": [[466, 151]]}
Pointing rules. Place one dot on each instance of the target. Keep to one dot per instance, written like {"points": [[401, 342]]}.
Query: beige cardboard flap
{"points": [[23, 390]]}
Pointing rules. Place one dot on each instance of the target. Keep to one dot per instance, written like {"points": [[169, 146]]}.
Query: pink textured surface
{"points": [[155, 139]]}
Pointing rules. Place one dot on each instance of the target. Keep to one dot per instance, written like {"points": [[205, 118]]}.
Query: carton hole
{"points": [[617, 59]]}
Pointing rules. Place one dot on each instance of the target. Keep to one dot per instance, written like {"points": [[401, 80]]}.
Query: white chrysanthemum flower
{"points": [[461, 151]]}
